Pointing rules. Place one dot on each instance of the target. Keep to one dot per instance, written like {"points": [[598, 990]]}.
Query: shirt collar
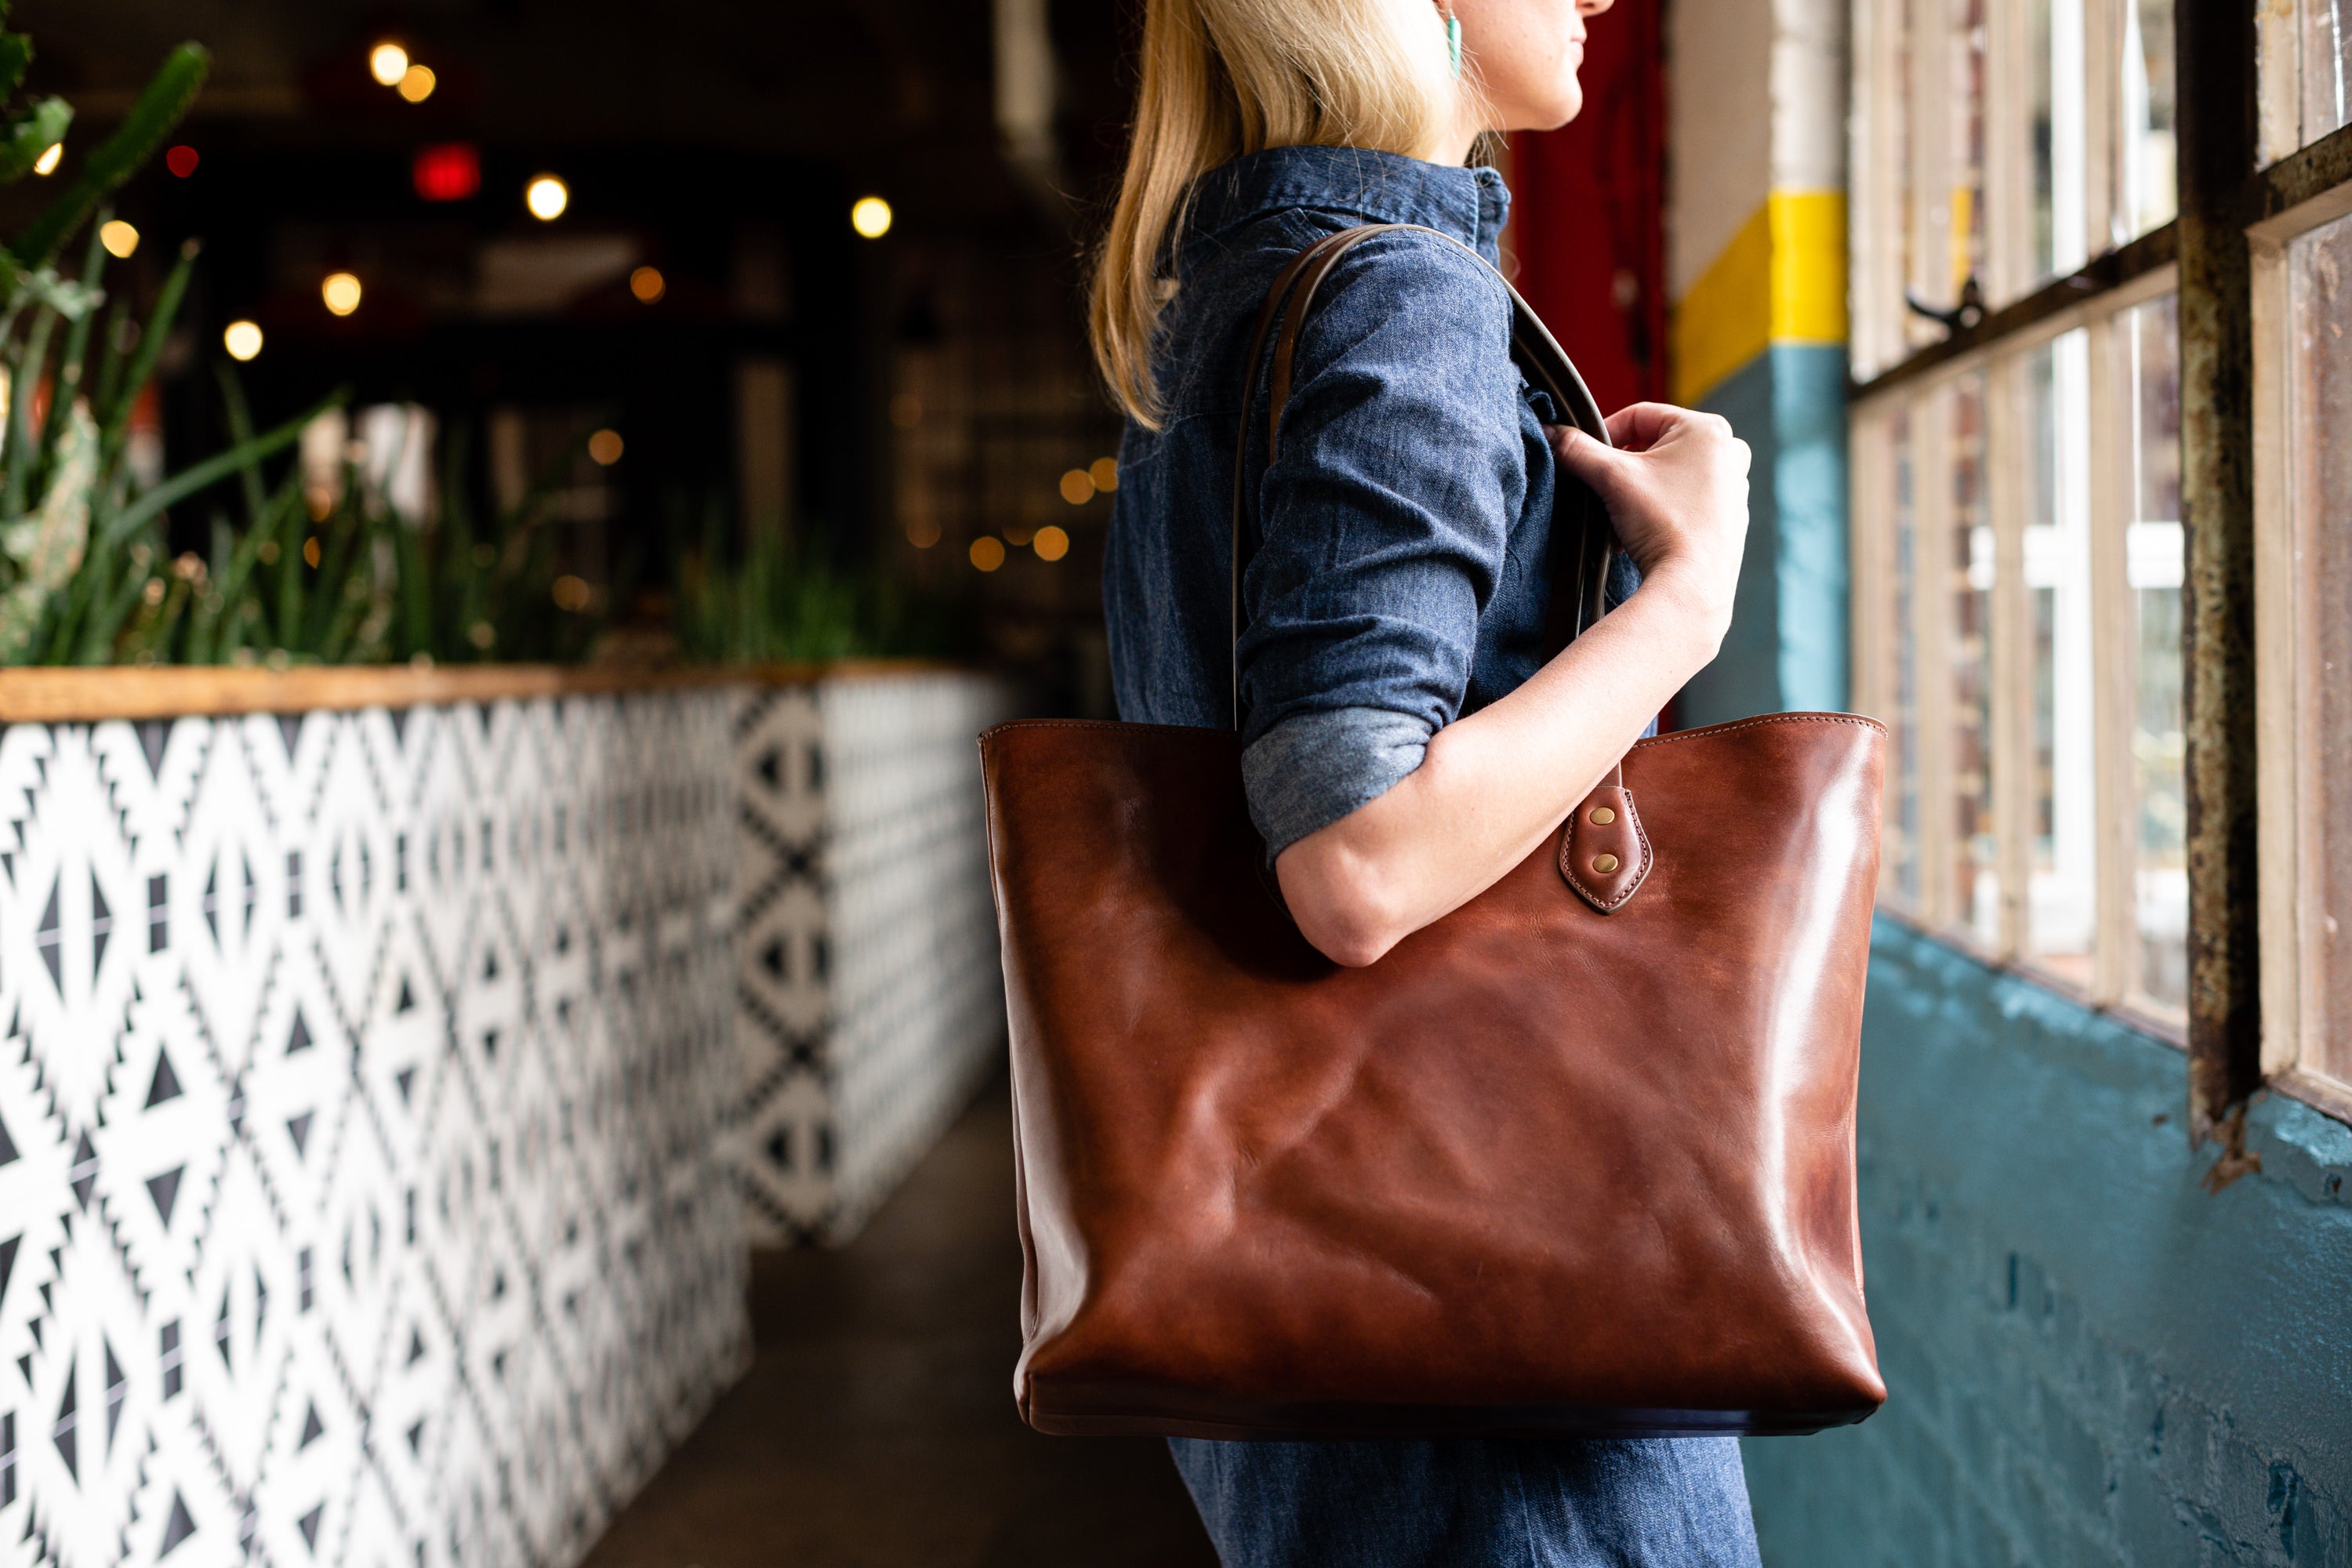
{"points": [[1471, 204]]}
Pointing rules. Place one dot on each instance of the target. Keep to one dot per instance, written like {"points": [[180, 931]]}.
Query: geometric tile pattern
{"points": [[872, 993], [362, 1085]]}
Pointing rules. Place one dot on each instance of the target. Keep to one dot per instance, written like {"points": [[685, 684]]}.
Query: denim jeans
{"points": [[1473, 1503]]}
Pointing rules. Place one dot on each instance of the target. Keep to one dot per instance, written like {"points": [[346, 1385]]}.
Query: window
{"points": [[2072, 606], [2018, 605], [2306, 72], [2302, 317], [1999, 144], [2016, 472]]}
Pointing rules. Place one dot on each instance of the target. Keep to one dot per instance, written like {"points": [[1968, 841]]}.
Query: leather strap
{"points": [[1266, 319], [1580, 576], [1604, 852]]}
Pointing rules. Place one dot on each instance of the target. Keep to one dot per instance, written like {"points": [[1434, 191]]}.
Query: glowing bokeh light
{"points": [[546, 196], [182, 160], [387, 62], [448, 171], [47, 163], [120, 238], [988, 552], [340, 293], [416, 83], [242, 340], [1051, 543], [604, 448], [871, 216], [648, 285], [1077, 487], [1104, 471]]}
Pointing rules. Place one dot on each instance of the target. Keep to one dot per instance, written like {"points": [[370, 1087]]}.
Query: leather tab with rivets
{"points": [[1604, 854]]}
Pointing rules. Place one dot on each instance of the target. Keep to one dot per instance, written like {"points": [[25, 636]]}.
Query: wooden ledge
{"points": [[94, 696]]}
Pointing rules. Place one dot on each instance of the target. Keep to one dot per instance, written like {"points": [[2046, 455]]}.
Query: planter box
{"points": [[873, 997], [364, 1067]]}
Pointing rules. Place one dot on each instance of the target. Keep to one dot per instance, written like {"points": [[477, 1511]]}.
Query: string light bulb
{"points": [[339, 292], [871, 216], [47, 163], [242, 340], [387, 62], [546, 196]]}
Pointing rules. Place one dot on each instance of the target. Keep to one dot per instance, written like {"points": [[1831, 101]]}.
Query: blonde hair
{"points": [[1226, 78]]}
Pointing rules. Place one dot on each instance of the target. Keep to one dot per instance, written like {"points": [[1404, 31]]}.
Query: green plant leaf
{"points": [[37, 131], [15, 58], [213, 469], [159, 109]]}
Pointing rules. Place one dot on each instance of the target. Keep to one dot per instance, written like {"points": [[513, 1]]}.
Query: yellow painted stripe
{"points": [[1808, 267], [1780, 279]]}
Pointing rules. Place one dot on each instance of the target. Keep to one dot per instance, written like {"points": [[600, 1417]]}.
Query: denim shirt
{"points": [[1401, 569]]}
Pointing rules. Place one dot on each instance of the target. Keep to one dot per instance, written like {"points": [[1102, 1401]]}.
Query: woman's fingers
{"points": [[1640, 424], [1596, 464]]}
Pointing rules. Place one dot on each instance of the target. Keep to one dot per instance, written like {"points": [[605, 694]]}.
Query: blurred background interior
{"points": [[710, 333], [810, 277]]}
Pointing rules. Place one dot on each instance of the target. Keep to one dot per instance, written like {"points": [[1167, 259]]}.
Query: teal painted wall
{"points": [[1787, 646], [2089, 1360]]}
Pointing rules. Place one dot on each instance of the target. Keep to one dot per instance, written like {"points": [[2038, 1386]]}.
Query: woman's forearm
{"points": [[1496, 783]]}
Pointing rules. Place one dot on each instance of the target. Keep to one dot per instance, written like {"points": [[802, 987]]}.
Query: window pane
{"points": [[1942, 129], [1965, 60], [1899, 846], [2147, 193], [2061, 900], [2054, 33], [1976, 876], [2153, 561], [2326, 66], [2320, 450]]}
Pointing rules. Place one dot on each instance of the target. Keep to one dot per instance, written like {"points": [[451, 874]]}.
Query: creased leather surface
{"points": [[1538, 1170]]}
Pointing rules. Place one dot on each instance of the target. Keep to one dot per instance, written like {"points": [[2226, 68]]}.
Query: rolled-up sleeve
{"points": [[1382, 526]]}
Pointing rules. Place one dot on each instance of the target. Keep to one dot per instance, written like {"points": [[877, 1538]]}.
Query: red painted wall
{"points": [[1588, 222]]}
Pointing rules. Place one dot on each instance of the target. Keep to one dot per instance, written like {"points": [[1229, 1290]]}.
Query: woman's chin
{"points": [[1554, 114]]}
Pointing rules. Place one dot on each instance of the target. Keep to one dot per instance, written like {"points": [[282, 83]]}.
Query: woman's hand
{"points": [[1496, 783], [1676, 485]]}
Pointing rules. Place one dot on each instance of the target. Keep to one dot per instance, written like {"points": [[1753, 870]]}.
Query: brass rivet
{"points": [[1605, 863], [1601, 816]]}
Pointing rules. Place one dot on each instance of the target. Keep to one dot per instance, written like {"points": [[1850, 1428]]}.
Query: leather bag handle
{"points": [[1579, 576], [1604, 851]]}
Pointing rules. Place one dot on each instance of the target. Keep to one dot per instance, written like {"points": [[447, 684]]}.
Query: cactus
{"points": [[117, 157], [49, 547]]}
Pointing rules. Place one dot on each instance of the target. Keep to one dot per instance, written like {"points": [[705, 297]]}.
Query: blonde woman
{"points": [[1406, 742]]}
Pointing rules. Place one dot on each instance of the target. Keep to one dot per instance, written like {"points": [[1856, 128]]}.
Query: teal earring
{"points": [[1453, 42]]}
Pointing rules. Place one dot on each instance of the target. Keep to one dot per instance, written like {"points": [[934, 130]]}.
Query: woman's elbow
{"points": [[1344, 907]]}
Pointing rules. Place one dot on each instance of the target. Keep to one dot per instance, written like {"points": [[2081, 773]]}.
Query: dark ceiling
{"points": [[894, 95]]}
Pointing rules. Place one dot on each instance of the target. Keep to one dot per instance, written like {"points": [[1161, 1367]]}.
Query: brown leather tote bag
{"points": [[1576, 1160]]}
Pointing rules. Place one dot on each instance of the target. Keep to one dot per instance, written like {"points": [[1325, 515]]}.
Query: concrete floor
{"points": [[876, 1428]]}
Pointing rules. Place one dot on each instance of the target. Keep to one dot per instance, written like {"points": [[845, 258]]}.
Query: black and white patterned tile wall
{"points": [[363, 1091], [873, 994]]}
